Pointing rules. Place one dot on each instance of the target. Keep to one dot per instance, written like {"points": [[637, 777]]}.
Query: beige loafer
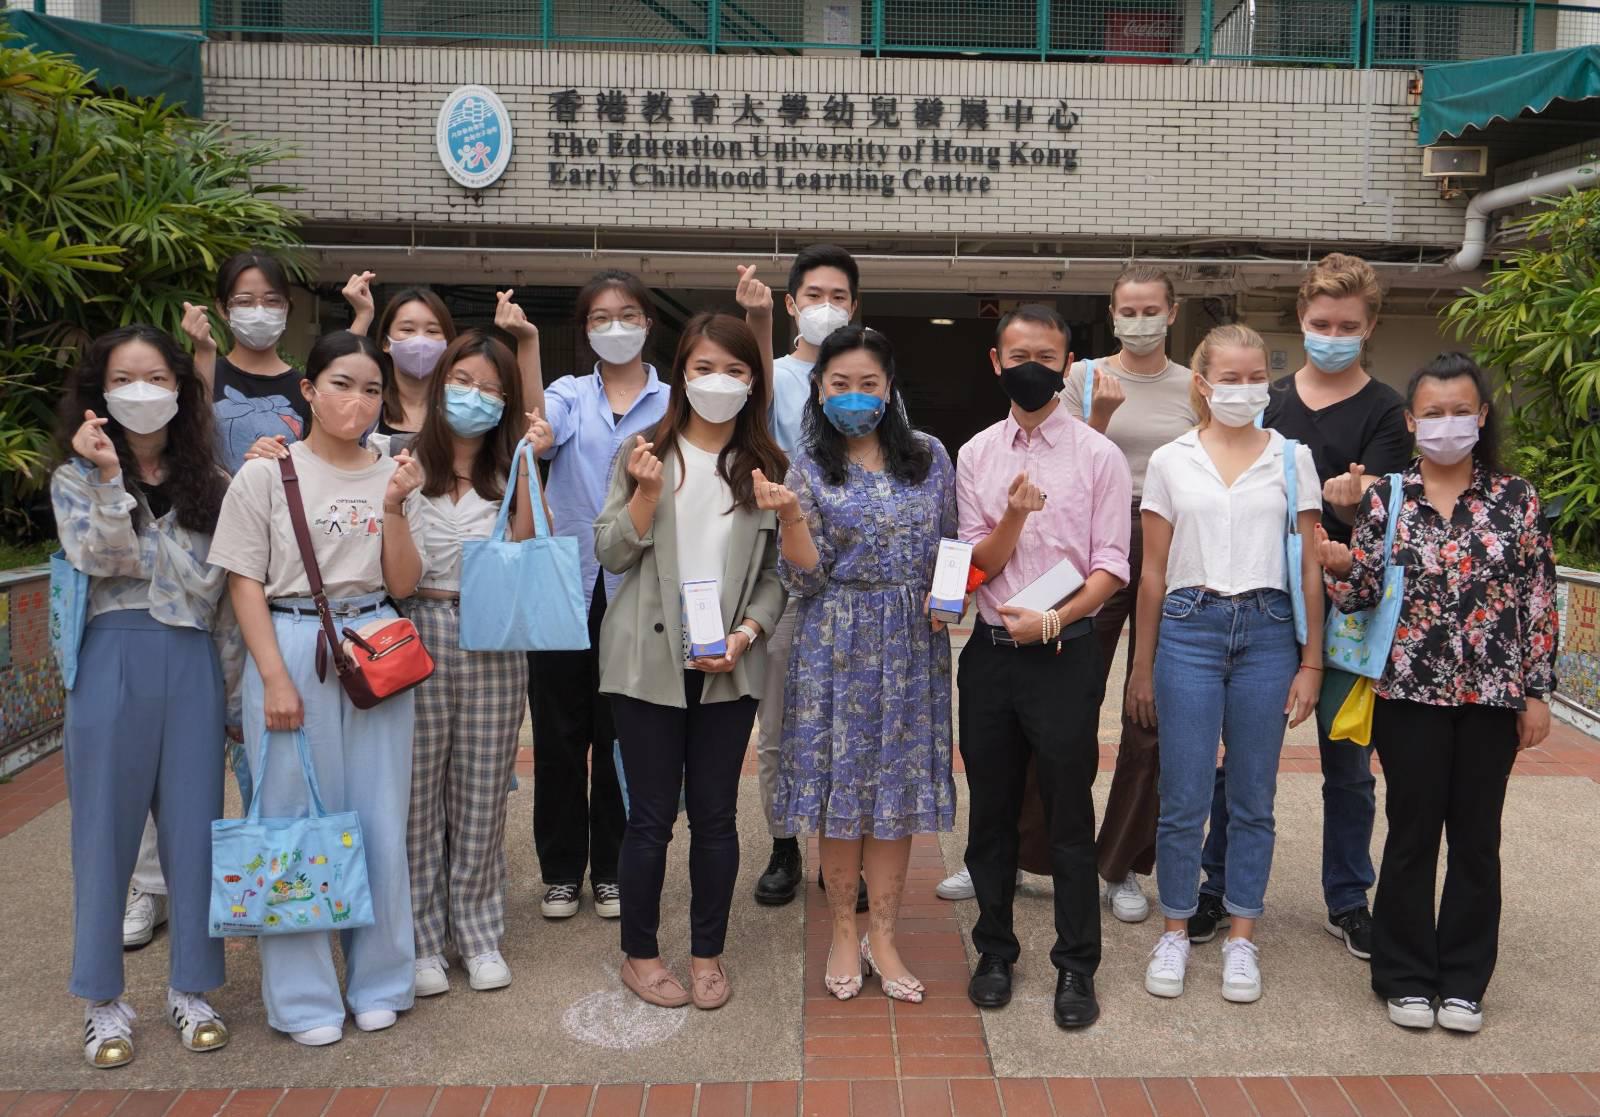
{"points": [[663, 989]]}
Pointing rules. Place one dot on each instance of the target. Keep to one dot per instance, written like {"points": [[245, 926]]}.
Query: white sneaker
{"points": [[1241, 973], [198, 1024], [145, 912], [958, 886], [1460, 1015], [376, 1020], [1127, 900], [318, 1037], [431, 977], [488, 971], [1411, 1012], [107, 1034], [1163, 977]]}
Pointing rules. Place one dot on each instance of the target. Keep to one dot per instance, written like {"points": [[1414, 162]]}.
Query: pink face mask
{"points": [[345, 415], [1445, 441]]}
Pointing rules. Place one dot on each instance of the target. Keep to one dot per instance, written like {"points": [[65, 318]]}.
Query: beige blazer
{"points": [[641, 642]]}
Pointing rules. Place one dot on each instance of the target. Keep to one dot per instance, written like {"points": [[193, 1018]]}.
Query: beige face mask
{"points": [[1140, 335]]}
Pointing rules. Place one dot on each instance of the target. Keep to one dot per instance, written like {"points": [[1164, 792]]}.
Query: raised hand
{"points": [[197, 325], [1333, 555], [1108, 396], [358, 292], [773, 497], [91, 443], [752, 294], [510, 317], [1024, 497], [1344, 491], [645, 469], [272, 446], [406, 478], [540, 435]]}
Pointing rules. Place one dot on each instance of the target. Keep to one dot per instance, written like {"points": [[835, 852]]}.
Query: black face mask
{"points": [[1030, 384]]}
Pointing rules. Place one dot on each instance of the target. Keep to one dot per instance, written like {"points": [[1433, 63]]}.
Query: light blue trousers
{"points": [[363, 763]]}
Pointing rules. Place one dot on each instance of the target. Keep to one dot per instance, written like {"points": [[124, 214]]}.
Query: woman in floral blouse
{"points": [[865, 760], [1465, 689]]}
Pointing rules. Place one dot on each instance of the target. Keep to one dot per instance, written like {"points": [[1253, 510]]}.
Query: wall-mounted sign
{"points": [[474, 136]]}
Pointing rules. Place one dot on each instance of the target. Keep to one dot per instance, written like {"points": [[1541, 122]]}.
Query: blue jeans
{"points": [[1223, 669], [1349, 805]]}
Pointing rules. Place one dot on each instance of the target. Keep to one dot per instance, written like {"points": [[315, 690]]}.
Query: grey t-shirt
{"points": [[1155, 412]]}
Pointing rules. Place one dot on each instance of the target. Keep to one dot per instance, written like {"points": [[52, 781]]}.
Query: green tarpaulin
{"points": [[144, 63], [1466, 95]]}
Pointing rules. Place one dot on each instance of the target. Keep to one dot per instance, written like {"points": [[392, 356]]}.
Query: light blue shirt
{"points": [[587, 438], [791, 388]]}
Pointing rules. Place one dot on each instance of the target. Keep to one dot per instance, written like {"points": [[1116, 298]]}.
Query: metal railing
{"points": [[1343, 33]]}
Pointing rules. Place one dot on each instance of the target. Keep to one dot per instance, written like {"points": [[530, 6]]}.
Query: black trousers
{"points": [[1017, 704], [699, 751], [1445, 768], [577, 814]]}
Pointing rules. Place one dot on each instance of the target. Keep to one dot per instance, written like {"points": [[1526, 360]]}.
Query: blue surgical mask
{"points": [[1332, 354], [854, 414], [469, 412]]}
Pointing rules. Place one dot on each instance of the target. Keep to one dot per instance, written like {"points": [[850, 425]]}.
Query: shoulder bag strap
{"points": [[308, 556], [1395, 497], [1290, 488], [1088, 388]]}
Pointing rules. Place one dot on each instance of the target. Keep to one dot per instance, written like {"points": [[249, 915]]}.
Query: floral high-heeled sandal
{"points": [[907, 989], [844, 988]]}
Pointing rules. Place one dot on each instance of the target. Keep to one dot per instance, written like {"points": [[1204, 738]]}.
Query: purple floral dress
{"points": [[866, 726]]}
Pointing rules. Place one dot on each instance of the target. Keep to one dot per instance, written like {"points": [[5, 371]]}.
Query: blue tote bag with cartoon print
{"points": [[69, 612], [286, 876], [1359, 642]]}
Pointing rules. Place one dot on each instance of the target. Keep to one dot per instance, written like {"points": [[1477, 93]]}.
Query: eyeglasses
{"points": [[462, 380], [599, 320], [249, 302]]}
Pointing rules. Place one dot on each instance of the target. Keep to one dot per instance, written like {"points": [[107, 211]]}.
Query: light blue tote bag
{"points": [[1294, 542], [282, 876], [69, 612], [1359, 642], [527, 596]]}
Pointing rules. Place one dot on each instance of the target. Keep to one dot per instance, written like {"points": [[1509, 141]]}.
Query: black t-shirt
{"points": [[248, 407], [1369, 427], [157, 498]]}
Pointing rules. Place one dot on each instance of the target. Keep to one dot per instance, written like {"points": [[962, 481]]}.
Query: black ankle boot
{"points": [[778, 884]]}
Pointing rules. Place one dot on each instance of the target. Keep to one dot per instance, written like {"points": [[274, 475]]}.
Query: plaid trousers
{"points": [[469, 713]]}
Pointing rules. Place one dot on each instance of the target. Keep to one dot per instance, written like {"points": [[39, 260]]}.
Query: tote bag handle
{"points": [[1088, 388], [541, 526], [1394, 516], [1290, 483], [310, 773]]}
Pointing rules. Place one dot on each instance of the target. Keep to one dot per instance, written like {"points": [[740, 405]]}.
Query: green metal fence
{"points": [[1347, 33]]}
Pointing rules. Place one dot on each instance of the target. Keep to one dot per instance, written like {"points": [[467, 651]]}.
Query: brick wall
{"points": [[1267, 154]]}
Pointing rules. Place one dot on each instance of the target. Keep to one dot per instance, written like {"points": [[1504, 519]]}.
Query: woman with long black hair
{"points": [[136, 501]]}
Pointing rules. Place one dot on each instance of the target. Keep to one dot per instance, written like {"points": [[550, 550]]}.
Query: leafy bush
{"points": [[111, 211], [1537, 320]]}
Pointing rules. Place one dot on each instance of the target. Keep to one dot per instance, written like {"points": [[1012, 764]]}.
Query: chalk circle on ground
{"points": [[619, 1021]]}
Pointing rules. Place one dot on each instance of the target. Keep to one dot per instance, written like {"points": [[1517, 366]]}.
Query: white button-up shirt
{"points": [[439, 526], [1229, 539]]}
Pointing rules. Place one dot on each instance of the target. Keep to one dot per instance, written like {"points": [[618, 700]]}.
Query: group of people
{"points": [[801, 490]]}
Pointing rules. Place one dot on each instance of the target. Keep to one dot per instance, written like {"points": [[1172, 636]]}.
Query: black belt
{"points": [[1000, 638], [336, 610]]}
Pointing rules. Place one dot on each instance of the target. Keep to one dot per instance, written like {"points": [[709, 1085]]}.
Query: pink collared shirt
{"points": [[1088, 492]]}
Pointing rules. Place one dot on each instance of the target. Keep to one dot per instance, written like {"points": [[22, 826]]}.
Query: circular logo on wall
{"points": [[474, 134]]}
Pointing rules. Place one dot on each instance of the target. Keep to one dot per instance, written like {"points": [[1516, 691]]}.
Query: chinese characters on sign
{"points": [[881, 144]]}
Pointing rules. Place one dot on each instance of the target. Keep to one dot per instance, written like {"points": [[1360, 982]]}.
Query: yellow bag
{"points": [[1353, 722]]}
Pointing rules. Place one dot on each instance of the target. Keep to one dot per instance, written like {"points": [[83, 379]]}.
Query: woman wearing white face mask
{"points": [[414, 329], [1464, 690], [589, 421], [136, 501], [1217, 655], [682, 506]]}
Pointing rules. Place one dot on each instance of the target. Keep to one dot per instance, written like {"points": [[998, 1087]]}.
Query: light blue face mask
{"points": [[854, 414], [1332, 354], [469, 412]]}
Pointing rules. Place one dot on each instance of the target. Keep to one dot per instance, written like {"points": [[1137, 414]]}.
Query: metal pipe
{"points": [[1476, 236]]}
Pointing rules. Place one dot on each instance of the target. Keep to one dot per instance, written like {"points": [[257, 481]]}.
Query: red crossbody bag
{"points": [[374, 661]]}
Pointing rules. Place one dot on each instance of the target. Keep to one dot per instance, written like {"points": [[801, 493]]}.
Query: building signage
{"points": [[799, 143], [474, 136]]}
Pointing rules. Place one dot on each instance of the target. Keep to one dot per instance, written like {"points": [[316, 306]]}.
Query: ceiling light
{"points": [[941, 321]]}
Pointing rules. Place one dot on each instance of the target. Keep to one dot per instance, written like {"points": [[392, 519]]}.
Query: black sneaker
{"points": [[778, 884], [1355, 928], [1204, 923], [560, 901]]}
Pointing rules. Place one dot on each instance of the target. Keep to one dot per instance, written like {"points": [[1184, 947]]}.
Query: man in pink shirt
{"points": [[1033, 489]]}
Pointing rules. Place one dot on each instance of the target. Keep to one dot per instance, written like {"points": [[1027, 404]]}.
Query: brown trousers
{"points": [[1127, 842]]}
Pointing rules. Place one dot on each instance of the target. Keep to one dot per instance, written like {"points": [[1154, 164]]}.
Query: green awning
{"points": [[144, 63], [1466, 95]]}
